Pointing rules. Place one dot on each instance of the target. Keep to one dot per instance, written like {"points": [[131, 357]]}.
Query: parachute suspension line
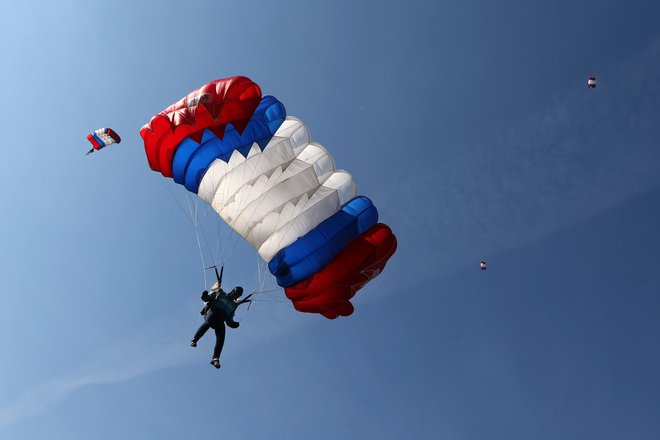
{"points": [[192, 215], [171, 193], [262, 290], [213, 253], [249, 298], [218, 231], [199, 246], [195, 223], [199, 229], [261, 279]]}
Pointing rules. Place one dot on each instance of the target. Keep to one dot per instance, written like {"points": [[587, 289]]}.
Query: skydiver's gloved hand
{"points": [[205, 296], [233, 324]]}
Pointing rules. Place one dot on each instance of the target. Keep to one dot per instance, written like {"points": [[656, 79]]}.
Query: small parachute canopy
{"points": [[101, 138], [482, 264], [591, 82]]}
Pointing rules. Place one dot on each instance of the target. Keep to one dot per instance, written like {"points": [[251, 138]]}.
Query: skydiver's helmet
{"points": [[215, 287], [238, 291]]}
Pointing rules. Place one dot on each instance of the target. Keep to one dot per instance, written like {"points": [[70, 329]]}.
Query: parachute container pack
{"points": [[260, 171]]}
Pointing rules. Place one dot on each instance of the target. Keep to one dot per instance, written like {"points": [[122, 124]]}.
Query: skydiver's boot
{"points": [[215, 362], [193, 343]]}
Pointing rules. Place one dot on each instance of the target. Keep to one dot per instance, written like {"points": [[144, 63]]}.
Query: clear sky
{"points": [[470, 126]]}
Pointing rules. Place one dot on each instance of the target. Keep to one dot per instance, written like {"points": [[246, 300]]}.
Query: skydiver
{"points": [[218, 309]]}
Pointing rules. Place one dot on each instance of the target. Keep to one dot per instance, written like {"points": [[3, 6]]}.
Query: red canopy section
{"points": [[212, 106], [328, 291]]}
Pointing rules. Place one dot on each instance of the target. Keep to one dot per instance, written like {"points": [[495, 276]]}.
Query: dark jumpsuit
{"points": [[219, 308]]}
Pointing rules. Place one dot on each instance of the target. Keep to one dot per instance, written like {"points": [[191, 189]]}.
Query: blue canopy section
{"points": [[99, 140], [318, 247], [191, 159]]}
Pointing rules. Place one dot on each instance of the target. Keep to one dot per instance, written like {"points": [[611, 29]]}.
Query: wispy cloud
{"points": [[160, 345], [142, 354]]}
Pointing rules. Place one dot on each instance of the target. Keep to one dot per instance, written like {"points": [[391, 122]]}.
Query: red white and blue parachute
{"points": [[261, 172], [101, 138]]}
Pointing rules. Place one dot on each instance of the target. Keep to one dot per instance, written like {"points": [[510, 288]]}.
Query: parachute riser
{"points": [[218, 276]]}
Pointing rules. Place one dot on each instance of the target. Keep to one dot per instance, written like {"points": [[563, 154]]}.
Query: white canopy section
{"points": [[274, 196]]}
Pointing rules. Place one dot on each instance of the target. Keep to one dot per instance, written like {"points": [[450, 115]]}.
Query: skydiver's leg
{"points": [[208, 318], [219, 340], [199, 333]]}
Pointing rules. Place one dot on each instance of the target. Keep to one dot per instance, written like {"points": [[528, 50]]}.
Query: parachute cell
{"points": [[260, 171]]}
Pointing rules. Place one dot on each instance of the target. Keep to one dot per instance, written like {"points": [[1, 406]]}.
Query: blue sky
{"points": [[471, 128]]}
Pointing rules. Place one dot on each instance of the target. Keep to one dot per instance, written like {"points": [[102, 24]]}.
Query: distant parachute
{"points": [[482, 264], [591, 82], [101, 138], [260, 171]]}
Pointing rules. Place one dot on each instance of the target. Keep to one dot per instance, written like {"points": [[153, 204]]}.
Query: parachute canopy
{"points": [[260, 171], [101, 138]]}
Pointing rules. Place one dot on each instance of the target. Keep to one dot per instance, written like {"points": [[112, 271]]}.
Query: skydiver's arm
{"points": [[246, 299], [231, 323]]}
